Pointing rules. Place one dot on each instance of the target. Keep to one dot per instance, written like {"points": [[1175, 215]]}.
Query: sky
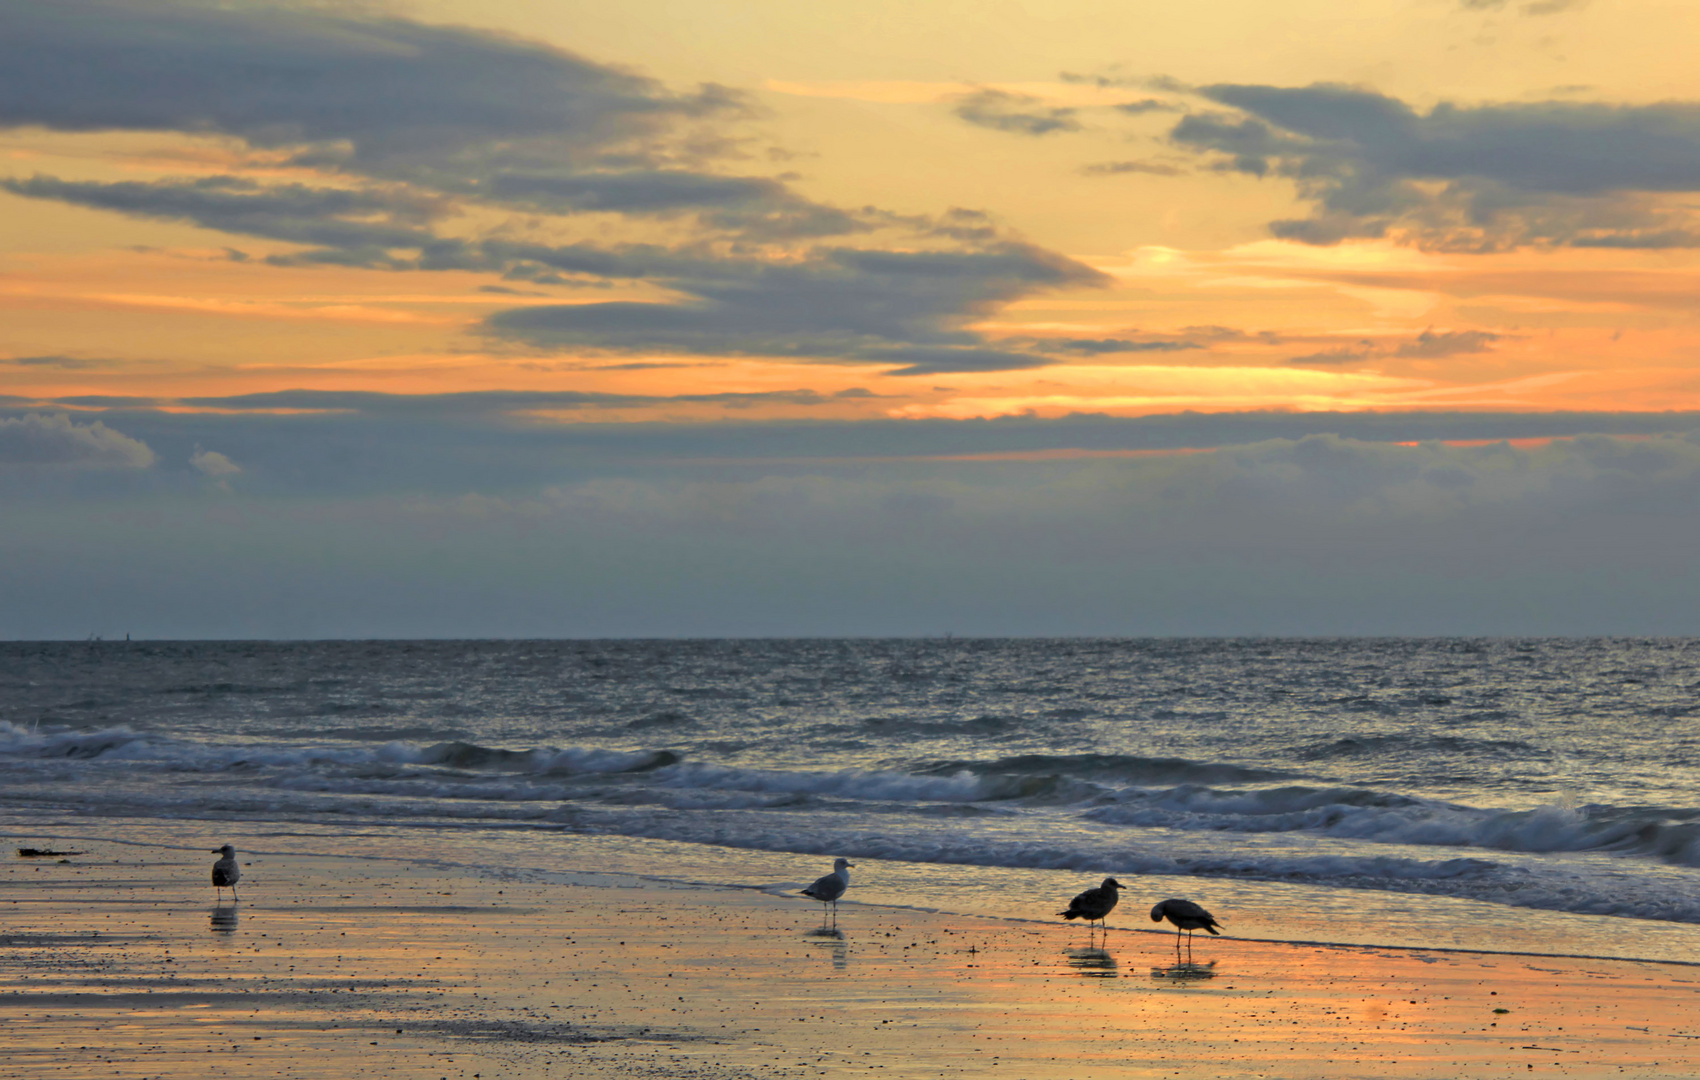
{"points": [[549, 318]]}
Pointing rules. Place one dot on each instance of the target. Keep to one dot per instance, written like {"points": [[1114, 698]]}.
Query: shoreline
{"points": [[118, 963]]}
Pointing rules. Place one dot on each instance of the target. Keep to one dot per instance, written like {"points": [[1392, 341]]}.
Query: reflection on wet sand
{"points": [[223, 919], [833, 938], [1092, 963], [1185, 971]]}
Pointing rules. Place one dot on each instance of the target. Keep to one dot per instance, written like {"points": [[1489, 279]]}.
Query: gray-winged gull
{"points": [[225, 872], [1094, 904], [829, 888], [1187, 916]]}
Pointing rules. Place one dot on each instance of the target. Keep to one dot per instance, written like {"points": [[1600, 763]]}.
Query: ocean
{"points": [[1537, 796]]}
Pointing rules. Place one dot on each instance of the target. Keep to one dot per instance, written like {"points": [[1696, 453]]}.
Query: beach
{"points": [[117, 962]]}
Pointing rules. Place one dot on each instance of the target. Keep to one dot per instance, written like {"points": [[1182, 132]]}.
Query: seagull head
{"points": [[840, 864], [227, 851], [1112, 884]]}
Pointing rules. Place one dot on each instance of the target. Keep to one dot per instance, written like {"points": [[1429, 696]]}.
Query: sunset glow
{"points": [[901, 233]]}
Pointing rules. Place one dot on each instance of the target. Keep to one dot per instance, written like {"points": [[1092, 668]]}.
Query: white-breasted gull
{"points": [[829, 888]]}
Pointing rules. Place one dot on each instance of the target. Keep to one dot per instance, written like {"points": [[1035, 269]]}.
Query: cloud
{"points": [[1344, 354], [63, 363], [1317, 534], [1429, 344], [1462, 177], [1118, 168], [466, 404], [364, 225], [376, 95], [445, 148], [1100, 346], [1534, 7], [853, 305], [36, 439], [212, 463], [1145, 105], [749, 205], [1017, 114]]}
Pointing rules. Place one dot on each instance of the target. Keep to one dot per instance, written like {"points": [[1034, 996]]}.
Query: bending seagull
{"points": [[1094, 904], [1187, 916], [226, 873], [829, 888]]}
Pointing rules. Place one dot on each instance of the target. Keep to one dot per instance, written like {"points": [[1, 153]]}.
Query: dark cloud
{"points": [[1295, 524], [38, 439], [1344, 354], [423, 132], [1017, 114], [64, 363], [752, 206], [1118, 168], [1447, 343], [471, 404], [1100, 346], [1534, 7], [1145, 105], [1428, 345], [377, 95], [906, 309], [1464, 177], [362, 224]]}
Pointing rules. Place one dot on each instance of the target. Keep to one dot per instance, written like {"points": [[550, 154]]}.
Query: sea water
{"points": [[1529, 795]]}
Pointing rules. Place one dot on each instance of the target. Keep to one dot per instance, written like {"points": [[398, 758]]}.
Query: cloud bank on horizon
{"points": [[362, 319]]}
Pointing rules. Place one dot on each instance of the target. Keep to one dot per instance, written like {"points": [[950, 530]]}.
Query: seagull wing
{"points": [[1091, 904], [828, 888]]}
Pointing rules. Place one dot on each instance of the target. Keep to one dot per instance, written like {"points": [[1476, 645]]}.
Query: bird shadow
{"points": [[1092, 963], [223, 919], [1185, 971]]}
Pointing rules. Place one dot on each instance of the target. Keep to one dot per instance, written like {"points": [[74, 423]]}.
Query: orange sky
{"points": [[889, 111]]}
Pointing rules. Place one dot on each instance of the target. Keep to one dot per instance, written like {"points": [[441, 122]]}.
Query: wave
{"points": [[1122, 768], [1670, 835], [1127, 793], [1355, 746]]}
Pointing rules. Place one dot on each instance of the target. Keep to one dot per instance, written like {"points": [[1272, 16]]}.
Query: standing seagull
{"points": [[1187, 916], [1094, 904], [829, 888], [225, 872]]}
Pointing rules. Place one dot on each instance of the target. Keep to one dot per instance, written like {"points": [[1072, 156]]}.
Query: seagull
{"points": [[829, 888], [1187, 916], [225, 872], [1094, 904]]}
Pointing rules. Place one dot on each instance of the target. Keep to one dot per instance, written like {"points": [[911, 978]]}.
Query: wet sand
{"points": [[117, 963]]}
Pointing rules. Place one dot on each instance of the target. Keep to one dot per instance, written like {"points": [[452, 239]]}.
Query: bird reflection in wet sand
{"points": [[223, 919], [1092, 963], [832, 938], [1185, 971]]}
